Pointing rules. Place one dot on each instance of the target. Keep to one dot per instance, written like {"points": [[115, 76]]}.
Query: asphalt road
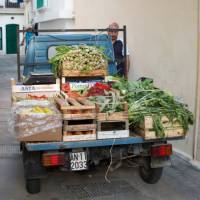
{"points": [[179, 182]]}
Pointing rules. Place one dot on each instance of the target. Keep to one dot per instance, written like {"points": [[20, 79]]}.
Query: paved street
{"points": [[179, 182], [7, 71]]}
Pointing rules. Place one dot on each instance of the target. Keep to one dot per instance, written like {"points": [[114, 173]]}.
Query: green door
{"points": [[11, 38]]}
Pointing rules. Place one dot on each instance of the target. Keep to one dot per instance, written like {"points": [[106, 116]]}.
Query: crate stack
{"points": [[82, 118], [79, 114], [79, 119]]}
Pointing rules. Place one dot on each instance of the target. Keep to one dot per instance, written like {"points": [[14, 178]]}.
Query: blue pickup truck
{"points": [[149, 155]]}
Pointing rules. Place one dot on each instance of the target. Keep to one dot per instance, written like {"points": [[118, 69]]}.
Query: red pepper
{"points": [[66, 87], [98, 89], [102, 86], [37, 97]]}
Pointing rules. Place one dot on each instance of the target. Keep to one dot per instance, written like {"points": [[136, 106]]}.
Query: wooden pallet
{"points": [[79, 132], [112, 129], [76, 109], [171, 129]]}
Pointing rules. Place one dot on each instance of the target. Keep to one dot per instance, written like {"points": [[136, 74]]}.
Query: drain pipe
{"points": [[197, 106]]}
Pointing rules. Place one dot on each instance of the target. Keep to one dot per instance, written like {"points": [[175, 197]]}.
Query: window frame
{"points": [[42, 6]]}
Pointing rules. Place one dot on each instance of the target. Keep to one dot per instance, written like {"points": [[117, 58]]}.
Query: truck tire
{"points": [[148, 174], [33, 186]]}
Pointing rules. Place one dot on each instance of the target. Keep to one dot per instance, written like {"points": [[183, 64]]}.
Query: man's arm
{"points": [[22, 43]]}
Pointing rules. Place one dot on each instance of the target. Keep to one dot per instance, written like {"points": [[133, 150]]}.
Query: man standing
{"points": [[27, 37], [118, 50]]}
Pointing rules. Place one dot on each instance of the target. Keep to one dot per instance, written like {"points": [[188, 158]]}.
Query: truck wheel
{"points": [[148, 174], [33, 186]]}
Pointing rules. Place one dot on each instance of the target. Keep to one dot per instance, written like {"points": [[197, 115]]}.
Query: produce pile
{"points": [[142, 97], [98, 89], [42, 110], [30, 97], [109, 103], [33, 107], [37, 97], [80, 57], [37, 110], [145, 100]]}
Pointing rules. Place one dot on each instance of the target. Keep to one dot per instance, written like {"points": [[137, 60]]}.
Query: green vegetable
{"points": [[81, 57], [110, 103], [145, 100]]}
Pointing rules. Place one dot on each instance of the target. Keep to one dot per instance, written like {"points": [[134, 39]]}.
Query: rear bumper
{"points": [[45, 146]]}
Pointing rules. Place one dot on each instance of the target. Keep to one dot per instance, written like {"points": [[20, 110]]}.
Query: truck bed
{"points": [[134, 139]]}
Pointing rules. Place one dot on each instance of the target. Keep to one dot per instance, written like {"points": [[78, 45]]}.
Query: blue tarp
{"points": [[37, 51]]}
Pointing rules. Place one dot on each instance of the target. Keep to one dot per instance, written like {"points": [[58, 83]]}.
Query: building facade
{"points": [[50, 13], [162, 39], [11, 18]]}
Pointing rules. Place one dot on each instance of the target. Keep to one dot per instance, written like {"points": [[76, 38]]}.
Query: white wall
{"points": [[62, 9], [162, 39], [2, 3], [29, 12], [57, 24], [6, 19]]}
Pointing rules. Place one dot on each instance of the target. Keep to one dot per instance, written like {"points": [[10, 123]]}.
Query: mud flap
{"points": [[157, 162], [33, 168]]}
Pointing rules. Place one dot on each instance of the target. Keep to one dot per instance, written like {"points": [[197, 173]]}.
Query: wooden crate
{"points": [[116, 116], [79, 132], [76, 109], [77, 73], [171, 129], [20, 91], [109, 125], [112, 129]]}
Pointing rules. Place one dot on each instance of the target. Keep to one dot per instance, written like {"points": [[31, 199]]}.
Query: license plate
{"points": [[78, 161]]}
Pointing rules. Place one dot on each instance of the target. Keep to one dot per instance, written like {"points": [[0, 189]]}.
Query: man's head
{"points": [[29, 27], [113, 33]]}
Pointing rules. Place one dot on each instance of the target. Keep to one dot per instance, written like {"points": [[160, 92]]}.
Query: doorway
{"points": [[11, 38]]}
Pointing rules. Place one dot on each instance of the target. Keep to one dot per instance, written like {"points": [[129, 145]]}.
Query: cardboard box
{"points": [[51, 135], [37, 127]]}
